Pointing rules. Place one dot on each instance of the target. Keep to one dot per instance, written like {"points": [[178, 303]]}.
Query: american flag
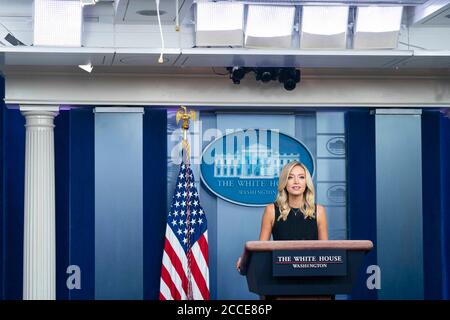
{"points": [[184, 272]]}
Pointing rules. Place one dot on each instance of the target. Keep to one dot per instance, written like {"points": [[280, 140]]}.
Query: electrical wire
{"points": [[161, 57], [177, 17]]}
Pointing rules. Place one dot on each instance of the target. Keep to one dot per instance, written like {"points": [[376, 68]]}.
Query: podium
{"points": [[316, 269]]}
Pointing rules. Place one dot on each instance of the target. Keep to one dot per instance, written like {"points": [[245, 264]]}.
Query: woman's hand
{"points": [[322, 225], [238, 265]]}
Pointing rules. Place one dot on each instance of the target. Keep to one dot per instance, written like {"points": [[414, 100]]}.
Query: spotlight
{"points": [[266, 74], [86, 67], [237, 74], [289, 77]]}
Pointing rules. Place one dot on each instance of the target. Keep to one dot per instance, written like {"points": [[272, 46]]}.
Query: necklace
{"points": [[296, 210]]}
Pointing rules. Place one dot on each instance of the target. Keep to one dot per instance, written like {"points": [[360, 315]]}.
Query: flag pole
{"points": [[183, 114]]}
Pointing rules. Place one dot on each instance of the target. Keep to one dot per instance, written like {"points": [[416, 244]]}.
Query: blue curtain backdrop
{"points": [[69, 240], [74, 200], [2, 106], [13, 146], [155, 194], [75, 196], [444, 143], [436, 190], [62, 161], [361, 197], [445, 203], [74, 165], [436, 195], [78, 182], [431, 168]]}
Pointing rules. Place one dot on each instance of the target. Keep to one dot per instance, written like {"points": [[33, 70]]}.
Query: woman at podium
{"points": [[294, 215]]}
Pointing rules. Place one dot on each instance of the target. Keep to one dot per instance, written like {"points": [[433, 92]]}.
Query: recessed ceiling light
{"points": [[150, 13]]}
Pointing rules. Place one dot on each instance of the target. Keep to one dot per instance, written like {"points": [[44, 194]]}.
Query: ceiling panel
{"points": [[15, 8], [108, 57], [128, 11], [47, 56], [145, 57]]}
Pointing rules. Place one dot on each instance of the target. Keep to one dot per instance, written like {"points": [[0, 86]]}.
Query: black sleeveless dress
{"points": [[296, 227]]}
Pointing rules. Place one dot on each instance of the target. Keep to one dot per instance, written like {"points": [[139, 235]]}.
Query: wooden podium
{"points": [[317, 269]]}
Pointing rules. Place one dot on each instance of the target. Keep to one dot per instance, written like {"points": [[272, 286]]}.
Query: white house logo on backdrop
{"points": [[243, 166], [337, 193], [336, 146]]}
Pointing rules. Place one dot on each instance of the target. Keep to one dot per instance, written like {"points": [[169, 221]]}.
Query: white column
{"points": [[39, 279]]}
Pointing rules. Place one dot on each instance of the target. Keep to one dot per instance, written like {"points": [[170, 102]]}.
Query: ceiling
{"points": [[118, 36], [144, 11]]}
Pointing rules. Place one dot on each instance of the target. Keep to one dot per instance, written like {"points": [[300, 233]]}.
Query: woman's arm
{"points": [[268, 220], [322, 225]]}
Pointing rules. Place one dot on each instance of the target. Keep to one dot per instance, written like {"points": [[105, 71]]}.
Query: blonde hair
{"points": [[282, 199]]}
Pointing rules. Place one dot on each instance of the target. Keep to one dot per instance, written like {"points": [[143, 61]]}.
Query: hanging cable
{"points": [[177, 17], [161, 57]]}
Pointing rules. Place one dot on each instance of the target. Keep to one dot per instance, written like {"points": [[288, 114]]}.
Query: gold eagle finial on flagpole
{"points": [[186, 116], [183, 114]]}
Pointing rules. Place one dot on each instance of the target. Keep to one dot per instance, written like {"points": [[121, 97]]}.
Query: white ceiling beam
{"points": [[153, 89]]}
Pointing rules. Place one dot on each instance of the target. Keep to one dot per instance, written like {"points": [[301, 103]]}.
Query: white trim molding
{"points": [[118, 110], [24, 108], [210, 90]]}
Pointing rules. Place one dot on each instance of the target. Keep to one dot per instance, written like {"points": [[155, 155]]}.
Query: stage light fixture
{"points": [[266, 74], [237, 74], [289, 77]]}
